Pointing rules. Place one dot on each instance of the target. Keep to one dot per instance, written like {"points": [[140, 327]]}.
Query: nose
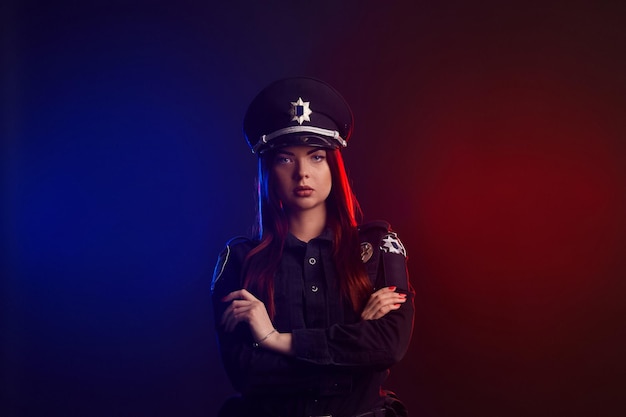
{"points": [[301, 170]]}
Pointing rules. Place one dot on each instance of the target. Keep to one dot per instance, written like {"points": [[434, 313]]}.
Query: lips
{"points": [[303, 191]]}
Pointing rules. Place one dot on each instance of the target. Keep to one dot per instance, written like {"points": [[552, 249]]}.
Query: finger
{"points": [[387, 309], [226, 314], [394, 301], [393, 298], [232, 316], [241, 294], [233, 320], [235, 295], [375, 303], [371, 307], [374, 311], [229, 322], [235, 305], [379, 299], [246, 295], [370, 310], [240, 303], [381, 304], [385, 290], [241, 311], [366, 314]]}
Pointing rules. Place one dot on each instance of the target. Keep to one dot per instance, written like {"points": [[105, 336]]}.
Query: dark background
{"points": [[489, 133]]}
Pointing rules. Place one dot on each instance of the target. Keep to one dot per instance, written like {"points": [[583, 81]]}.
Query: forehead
{"points": [[299, 150]]}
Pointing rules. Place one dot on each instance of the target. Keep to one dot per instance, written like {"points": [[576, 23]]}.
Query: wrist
{"points": [[278, 342], [264, 338]]}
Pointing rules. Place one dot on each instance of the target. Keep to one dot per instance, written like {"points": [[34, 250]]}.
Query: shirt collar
{"points": [[292, 241]]}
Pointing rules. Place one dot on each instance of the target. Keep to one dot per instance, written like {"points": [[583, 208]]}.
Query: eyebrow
{"points": [[293, 154]]}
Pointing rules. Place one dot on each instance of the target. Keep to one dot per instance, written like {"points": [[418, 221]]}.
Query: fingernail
{"points": [[392, 288]]}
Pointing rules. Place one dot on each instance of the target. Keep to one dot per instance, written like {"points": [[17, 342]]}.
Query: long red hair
{"points": [[262, 262]]}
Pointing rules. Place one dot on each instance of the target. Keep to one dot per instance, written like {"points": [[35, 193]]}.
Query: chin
{"points": [[303, 206]]}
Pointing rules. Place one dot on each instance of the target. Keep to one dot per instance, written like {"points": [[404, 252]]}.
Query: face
{"points": [[302, 177]]}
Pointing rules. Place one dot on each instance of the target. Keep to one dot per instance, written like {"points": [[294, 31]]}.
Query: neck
{"points": [[308, 224]]}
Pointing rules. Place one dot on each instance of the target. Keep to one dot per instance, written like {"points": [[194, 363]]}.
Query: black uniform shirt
{"points": [[340, 360]]}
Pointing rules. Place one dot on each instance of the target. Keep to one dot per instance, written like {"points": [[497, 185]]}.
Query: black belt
{"points": [[379, 412]]}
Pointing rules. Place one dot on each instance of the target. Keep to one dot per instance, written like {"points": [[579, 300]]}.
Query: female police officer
{"points": [[311, 313]]}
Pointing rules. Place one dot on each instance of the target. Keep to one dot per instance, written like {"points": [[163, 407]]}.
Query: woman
{"points": [[311, 314]]}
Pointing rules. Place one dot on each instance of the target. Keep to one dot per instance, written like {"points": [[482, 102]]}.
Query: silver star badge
{"points": [[391, 244], [300, 111]]}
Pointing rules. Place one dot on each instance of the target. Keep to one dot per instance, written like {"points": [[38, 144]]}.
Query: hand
{"points": [[382, 302], [245, 307]]}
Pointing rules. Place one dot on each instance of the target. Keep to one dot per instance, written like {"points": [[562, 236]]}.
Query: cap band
{"points": [[333, 134]]}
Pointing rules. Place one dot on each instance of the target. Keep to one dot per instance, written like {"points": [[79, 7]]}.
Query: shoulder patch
{"points": [[370, 234], [390, 243], [367, 250]]}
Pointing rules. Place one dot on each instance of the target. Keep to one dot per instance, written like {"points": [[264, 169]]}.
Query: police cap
{"points": [[297, 111]]}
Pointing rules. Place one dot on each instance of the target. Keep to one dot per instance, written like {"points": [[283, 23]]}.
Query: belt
{"points": [[379, 412]]}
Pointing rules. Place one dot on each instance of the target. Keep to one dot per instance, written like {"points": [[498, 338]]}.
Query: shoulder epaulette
{"points": [[225, 256], [373, 225]]}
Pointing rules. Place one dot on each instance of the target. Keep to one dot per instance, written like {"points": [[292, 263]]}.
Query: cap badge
{"points": [[300, 111]]}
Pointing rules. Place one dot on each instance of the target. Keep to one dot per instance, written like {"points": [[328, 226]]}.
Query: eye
{"points": [[318, 157], [282, 159]]}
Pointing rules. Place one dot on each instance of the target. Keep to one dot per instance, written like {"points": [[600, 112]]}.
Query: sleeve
{"points": [[377, 343], [249, 368]]}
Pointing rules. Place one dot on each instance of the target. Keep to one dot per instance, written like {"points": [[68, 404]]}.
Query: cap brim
{"points": [[300, 140]]}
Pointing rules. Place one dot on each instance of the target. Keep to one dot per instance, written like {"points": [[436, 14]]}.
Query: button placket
{"points": [[313, 268], [312, 260]]}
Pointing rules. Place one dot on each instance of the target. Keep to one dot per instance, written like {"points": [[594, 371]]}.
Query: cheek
{"points": [[328, 180], [281, 181]]}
